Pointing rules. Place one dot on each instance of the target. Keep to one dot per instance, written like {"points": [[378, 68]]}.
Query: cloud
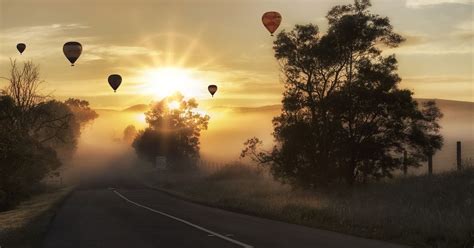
{"points": [[457, 41], [41, 41], [413, 39], [103, 51], [465, 31], [438, 79], [47, 40], [38, 32], [422, 3]]}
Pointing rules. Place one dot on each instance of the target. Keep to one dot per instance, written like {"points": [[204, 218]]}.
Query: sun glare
{"points": [[165, 81], [173, 105], [141, 118]]}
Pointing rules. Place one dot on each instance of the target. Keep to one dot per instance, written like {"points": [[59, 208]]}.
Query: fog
{"points": [[101, 141]]}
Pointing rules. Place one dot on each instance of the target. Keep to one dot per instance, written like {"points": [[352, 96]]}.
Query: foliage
{"points": [[23, 160], [172, 132], [36, 132], [83, 113], [343, 116], [129, 134]]}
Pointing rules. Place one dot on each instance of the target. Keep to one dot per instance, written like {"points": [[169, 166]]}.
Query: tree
{"points": [[129, 134], [46, 120], [24, 161], [57, 127], [174, 128], [82, 111], [35, 133], [343, 115]]}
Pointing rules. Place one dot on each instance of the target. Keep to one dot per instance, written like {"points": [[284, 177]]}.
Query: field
{"points": [[421, 211]]}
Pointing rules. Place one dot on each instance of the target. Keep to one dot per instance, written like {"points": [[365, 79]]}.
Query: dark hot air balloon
{"points": [[72, 50], [21, 47], [271, 20], [115, 80], [212, 89]]}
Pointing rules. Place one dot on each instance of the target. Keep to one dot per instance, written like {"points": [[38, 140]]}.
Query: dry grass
{"points": [[25, 225], [421, 211]]}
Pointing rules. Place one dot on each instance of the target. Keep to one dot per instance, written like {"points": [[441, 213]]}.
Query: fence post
{"points": [[405, 162], [430, 164], [458, 155]]}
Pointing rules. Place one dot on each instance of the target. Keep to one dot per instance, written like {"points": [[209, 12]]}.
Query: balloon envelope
{"points": [[271, 20], [21, 47], [115, 80], [72, 50], [212, 89]]}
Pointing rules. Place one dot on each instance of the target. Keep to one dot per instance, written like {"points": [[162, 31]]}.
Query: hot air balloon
{"points": [[212, 89], [72, 50], [271, 20], [21, 47], [115, 80]]}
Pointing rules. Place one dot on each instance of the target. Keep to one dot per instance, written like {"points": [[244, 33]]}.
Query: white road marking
{"points": [[185, 222]]}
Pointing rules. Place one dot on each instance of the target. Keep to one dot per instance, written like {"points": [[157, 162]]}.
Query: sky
{"points": [[162, 46]]}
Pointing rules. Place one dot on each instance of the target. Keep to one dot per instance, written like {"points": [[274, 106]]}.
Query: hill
{"points": [[137, 108]]}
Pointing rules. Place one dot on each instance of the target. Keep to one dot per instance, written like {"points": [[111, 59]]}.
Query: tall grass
{"points": [[423, 211]]}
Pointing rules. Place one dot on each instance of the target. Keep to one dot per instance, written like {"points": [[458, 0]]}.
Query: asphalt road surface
{"points": [[118, 211]]}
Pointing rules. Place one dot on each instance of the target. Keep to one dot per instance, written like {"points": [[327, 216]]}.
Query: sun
{"points": [[173, 105], [163, 82]]}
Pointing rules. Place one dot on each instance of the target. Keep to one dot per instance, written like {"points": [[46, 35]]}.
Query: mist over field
{"points": [[101, 142]]}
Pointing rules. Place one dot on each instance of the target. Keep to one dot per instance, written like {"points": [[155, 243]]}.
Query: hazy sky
{"points": [[217, 41]]}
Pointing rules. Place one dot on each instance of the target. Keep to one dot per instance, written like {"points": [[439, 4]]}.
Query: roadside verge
{"points": [[26, 225]]}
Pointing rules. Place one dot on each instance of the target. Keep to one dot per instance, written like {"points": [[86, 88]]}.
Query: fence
{"points": [[460, 163]]}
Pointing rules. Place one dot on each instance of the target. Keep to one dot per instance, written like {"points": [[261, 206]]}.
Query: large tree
{"points": [[35, 132], [343, 115], [174, 128]]}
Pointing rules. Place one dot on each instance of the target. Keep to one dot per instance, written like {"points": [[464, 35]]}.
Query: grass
{"points": [[26, 225], [421, 211]]}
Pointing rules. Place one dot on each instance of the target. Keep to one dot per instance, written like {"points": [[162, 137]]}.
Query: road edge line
{"points": [[183, 221]]}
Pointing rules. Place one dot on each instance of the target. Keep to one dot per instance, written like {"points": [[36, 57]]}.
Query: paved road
{"points": [[116, 211]]}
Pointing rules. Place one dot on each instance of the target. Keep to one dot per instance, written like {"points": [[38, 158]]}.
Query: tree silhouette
{"points": [[129, 134], [35, 133], [343, 115], [82, 111], [173, 131]]}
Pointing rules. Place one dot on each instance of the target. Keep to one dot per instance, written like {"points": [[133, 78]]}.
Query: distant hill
{"points": [[450, 105], [459, 107], [137, 108], [266, 108], [445, 106]]}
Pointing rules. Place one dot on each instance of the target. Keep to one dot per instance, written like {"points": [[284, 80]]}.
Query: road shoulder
{"points": [[26, 225]]}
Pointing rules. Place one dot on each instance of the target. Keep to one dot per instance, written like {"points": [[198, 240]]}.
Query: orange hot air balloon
{"points": [[271, 20], [21, 47], [114, 81], [72, 50], [212, 89]]}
